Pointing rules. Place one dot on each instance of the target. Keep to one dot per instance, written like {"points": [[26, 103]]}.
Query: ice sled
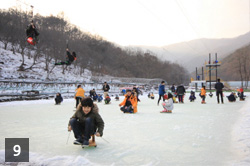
{"points": [[92, 142], [31, 41]]}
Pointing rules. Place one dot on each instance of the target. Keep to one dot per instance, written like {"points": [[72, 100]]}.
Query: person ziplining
{"points": [[71, 57], [32, 34]]}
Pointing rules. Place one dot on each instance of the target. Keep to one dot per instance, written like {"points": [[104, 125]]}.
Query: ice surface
{"points": [[194, 134]]}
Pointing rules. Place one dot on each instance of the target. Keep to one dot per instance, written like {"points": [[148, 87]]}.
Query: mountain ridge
{"points": [[196, 51]]}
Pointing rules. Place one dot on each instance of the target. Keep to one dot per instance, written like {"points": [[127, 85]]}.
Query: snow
{"points": [[194, 134], [9, 69]]}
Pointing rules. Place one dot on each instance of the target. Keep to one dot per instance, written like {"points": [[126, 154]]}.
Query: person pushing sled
{"points": [[85, 123]]}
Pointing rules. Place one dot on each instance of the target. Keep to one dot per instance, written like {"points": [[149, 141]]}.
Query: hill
{"points": [[93, 52], [236, 66], [193, 53]]}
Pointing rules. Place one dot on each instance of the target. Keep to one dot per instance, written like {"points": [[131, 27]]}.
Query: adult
{"points": [[71, 57], [161, 91], [172, 88], [219, 91], [180, 93], [32, 33], [79, 94], [105, 88]]}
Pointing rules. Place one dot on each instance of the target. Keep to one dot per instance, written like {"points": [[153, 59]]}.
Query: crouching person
{"points": [[58, 98], [168, 105], [129, 104], [85, 122]]}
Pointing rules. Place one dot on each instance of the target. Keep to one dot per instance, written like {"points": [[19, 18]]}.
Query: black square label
{"points": [[16, 149]]}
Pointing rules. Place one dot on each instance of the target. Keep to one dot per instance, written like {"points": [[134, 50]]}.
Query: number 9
{"points": [[17, 149]]}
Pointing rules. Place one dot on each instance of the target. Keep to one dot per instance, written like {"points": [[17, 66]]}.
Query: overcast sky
{"points": [[149, 22]]}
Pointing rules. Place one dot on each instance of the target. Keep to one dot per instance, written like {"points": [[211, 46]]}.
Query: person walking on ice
{"points": [[79, 94], [180, 91], [86, 122], [203, 94], [161, 91], [219, 91]]}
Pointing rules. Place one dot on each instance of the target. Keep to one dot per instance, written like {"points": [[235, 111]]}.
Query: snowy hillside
{"points": [[10, 64]]}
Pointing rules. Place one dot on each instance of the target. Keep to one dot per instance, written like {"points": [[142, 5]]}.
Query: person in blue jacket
{"points": [[161, 91]]}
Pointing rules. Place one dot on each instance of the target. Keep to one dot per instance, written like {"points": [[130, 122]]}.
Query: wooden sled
{"points": [[92, 142], [166, 111]]}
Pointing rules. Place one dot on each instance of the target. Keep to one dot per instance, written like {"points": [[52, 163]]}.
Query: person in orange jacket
{"points": [[79, 94], [203, 94], [129, 104]]}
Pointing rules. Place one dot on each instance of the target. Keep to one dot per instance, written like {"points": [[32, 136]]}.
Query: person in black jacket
{"points": [[180, 93], [70, 58], [219, 90], [232, 97], [105, 88], [32, 32], [173, 88], [58, 98]]}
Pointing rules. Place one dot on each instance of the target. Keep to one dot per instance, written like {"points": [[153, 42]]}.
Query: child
{"points": [[192, 96], [129, 104], [242, 97], [174, 99], [203, 94], [85, 122], [99, 98], [58, 98], [116, 97], [165, 96], [107, 99], [79, 94], [152, 96], [232, 97], [168, 105], [149, 94]]}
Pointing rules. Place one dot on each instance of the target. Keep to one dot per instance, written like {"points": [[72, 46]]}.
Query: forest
{"points": [[236, 66], [93, 52]]}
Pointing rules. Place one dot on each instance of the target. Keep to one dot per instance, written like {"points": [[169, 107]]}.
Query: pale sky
{"points": [[149, 22]]}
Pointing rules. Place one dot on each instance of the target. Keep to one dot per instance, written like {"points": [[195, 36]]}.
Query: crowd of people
{"points": [[86, 121]]}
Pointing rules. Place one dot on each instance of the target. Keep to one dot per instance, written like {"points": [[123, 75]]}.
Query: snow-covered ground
{"points": [[12, 62], [194, 134]]}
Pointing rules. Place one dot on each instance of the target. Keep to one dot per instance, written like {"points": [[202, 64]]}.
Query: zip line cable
{"points": [[151, 12], [192, 26], [27, 5]]}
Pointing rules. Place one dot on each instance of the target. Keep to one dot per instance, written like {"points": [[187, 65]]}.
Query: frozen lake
{"points": [[194, 134]]}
